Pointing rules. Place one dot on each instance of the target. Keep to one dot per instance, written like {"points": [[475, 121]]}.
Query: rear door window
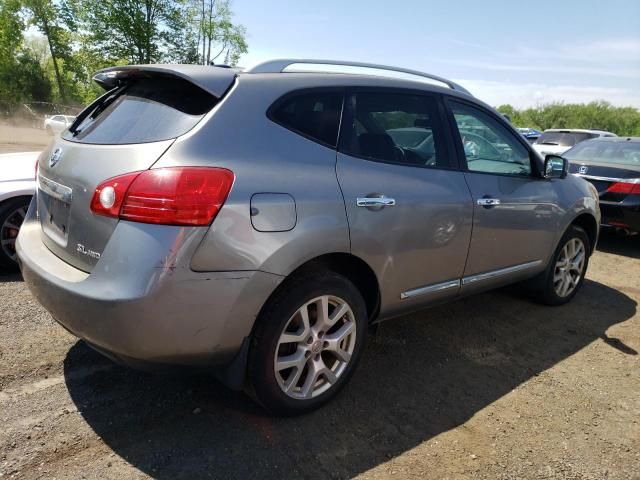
{"points": [[313, 114], [145, 110], [392, 127]]}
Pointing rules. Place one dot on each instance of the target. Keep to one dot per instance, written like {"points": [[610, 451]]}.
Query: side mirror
{"points": [[555, 166]]}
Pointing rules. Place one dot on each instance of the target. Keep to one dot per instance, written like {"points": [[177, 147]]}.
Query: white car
{"points": [[17, 186], [57, 123], [556, 141]]}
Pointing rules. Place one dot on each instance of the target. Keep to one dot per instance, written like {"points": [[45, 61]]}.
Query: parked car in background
{"points": [[17, 185], [612, 165], [531, 134], [56, 124], [267, 251], [556, 141]]}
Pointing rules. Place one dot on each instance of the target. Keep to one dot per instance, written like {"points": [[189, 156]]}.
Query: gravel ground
{"points": [[492, 386]]}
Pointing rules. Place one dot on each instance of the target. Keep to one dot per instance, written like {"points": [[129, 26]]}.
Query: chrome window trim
{"points": [[503, 271], [55, 189]]}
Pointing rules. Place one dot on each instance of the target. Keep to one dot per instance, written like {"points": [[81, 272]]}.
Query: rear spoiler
{"points": [[215, 80]]}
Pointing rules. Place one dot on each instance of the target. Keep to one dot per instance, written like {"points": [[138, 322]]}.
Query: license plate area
{"points": [[54, 207]]}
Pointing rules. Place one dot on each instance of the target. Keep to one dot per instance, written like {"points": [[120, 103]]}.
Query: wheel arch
{"points": [[18, 195], [356, 270], [588, 223]]}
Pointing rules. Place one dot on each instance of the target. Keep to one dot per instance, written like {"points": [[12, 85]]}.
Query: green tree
{"points": [[218, 37], [594, 115], [45, 16], [11, 28], [137, 31]]}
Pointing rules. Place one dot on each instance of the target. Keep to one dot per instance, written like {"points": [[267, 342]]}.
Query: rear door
{"points": [[409, 209], [516, 212], [126, 130]]}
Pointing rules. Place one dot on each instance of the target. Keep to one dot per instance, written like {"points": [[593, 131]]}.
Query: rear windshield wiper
{"points": [[92, 113]]}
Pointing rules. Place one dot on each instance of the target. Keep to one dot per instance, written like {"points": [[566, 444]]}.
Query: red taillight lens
{"points": [[168, 196], [627, 188], [115, 188]]}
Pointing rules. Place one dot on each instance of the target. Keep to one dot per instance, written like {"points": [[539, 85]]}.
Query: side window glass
{"points": [[313, 114], [397, 128], [488, 146]]}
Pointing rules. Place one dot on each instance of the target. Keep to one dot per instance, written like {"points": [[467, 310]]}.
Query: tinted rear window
{"points": [[312, 114], [564, 139], [146, 110]]}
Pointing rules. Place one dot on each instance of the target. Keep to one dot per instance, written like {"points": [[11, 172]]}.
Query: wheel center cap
{"points": [[316, 347]]}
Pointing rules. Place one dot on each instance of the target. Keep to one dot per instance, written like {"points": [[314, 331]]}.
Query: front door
{"points": [[409, 208], [516, 213]]}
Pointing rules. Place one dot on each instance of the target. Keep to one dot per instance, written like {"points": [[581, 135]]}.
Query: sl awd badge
{"points": [[55, 157]]}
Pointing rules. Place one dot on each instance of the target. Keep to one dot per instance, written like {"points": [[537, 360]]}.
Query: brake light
{"points": [[167, 196], [627, 188]]}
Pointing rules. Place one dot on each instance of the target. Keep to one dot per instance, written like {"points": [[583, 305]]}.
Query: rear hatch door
{"points": [[126, 130]]}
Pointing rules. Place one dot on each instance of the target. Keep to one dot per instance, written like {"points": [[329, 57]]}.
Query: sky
{"points": [[524, 53]]}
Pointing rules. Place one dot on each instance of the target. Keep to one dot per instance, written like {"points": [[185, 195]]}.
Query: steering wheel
{"points": [[402, 154]]}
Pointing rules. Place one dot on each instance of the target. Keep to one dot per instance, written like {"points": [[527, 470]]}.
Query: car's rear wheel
{"points": [[12, 214], [565, 274], [307, 342]]}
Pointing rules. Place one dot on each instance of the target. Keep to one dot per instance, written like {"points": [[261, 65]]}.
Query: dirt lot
{"points": [[22, 139], [492, 386]]}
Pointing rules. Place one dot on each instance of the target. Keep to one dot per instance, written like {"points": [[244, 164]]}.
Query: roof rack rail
{"points": [[278, 66]]}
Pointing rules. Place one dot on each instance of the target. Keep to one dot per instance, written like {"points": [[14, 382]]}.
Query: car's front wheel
{"points": [[565, 274], [307, 343]]}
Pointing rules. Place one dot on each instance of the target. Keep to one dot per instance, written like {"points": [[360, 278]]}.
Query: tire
{"points": [[12, 213], [547, 287], [311, 346]]}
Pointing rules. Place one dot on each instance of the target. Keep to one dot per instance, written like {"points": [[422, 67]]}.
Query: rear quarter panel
{"points": [[265, 158]]}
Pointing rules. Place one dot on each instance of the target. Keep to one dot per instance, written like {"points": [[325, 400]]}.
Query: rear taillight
{"points": [[167, 196], [627, 188]]}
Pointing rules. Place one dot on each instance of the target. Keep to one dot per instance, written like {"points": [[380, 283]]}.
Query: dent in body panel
{"points": [[142, 292], [518, 230], [421, 240]]}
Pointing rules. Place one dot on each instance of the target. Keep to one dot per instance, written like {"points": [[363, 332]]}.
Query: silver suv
{"points": [[259, 223]]}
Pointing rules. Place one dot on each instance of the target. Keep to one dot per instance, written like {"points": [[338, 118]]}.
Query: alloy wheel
{"points": [[569, 267], [315, 347]]}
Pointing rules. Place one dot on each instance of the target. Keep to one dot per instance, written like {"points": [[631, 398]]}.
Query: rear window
{"points": [[624, 153], [145, 110], [564, 139], [313, 114]]}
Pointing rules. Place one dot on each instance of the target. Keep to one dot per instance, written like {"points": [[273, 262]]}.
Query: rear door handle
{"points": [[488, 202], [375, 201]]}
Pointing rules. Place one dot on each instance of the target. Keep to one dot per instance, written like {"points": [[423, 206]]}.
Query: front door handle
{"points": [[375, 201], [488, 202]]}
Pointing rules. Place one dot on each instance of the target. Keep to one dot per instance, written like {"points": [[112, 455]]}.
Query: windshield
{"points": [[145, 110], [625, 153], [564, 139]]}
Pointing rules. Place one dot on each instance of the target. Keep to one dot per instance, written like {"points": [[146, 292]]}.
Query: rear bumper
{"points": [[142, 303], [622, 215]]}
